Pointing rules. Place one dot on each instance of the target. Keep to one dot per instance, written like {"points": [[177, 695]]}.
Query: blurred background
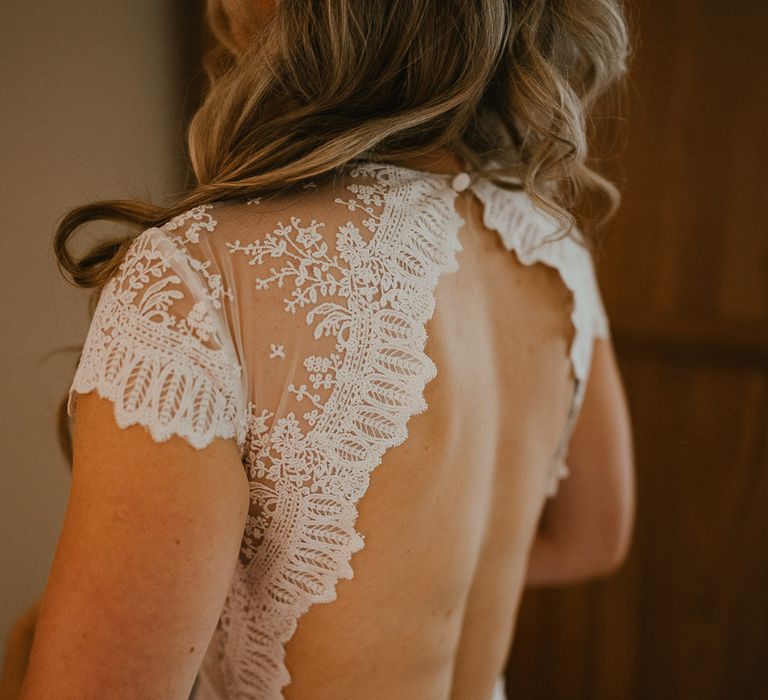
{"points": [[96, 97]]}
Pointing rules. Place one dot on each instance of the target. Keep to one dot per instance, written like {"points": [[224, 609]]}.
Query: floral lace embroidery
{"points": [[374, 298], [171, 373], [201, 221]]}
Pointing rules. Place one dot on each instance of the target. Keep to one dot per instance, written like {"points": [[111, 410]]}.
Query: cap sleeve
{"points": [[159, 348]]}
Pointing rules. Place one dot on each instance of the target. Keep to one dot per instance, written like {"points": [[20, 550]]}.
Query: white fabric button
{"points": [[460, 182]]}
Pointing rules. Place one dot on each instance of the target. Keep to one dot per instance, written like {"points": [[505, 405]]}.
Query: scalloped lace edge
{"points": [[112, 362]]}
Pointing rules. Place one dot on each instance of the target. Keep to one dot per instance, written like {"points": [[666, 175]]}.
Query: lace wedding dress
{"points": [[300, 331]]}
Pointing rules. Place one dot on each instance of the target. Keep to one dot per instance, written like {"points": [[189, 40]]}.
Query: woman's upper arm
{"points": [[143, 565], [592, 516], [159, 494]]}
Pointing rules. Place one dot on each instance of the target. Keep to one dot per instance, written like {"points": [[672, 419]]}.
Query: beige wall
{"points": [[91, 97]]}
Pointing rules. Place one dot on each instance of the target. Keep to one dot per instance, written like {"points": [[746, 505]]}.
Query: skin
{"points": [[586, 530], [151, 532], [242, 14]]}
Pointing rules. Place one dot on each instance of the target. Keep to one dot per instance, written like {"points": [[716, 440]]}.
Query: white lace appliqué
{"points": [[167, 369], [374, 298]]}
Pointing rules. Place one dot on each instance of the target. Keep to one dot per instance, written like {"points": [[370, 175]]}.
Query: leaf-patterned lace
{"points": [[158, 349]]}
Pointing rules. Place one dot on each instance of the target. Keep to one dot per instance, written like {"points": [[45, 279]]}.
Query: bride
{"points": [[343, 400]]}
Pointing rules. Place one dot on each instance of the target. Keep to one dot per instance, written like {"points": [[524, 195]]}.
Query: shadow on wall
{"points": [[100, 120]]}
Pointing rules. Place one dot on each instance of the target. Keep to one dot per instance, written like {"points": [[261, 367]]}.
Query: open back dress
{"points": [[400, 356]]}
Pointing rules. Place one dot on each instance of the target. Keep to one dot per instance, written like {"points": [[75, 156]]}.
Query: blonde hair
{"points": [[321, 84], [506, 85]]}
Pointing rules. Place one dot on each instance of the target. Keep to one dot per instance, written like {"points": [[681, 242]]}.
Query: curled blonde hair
{"points": [[506, 85]]}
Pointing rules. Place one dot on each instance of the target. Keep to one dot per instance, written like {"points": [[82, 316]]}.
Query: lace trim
{"points": [[172, 375], [304, 536], [530, 232]]}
